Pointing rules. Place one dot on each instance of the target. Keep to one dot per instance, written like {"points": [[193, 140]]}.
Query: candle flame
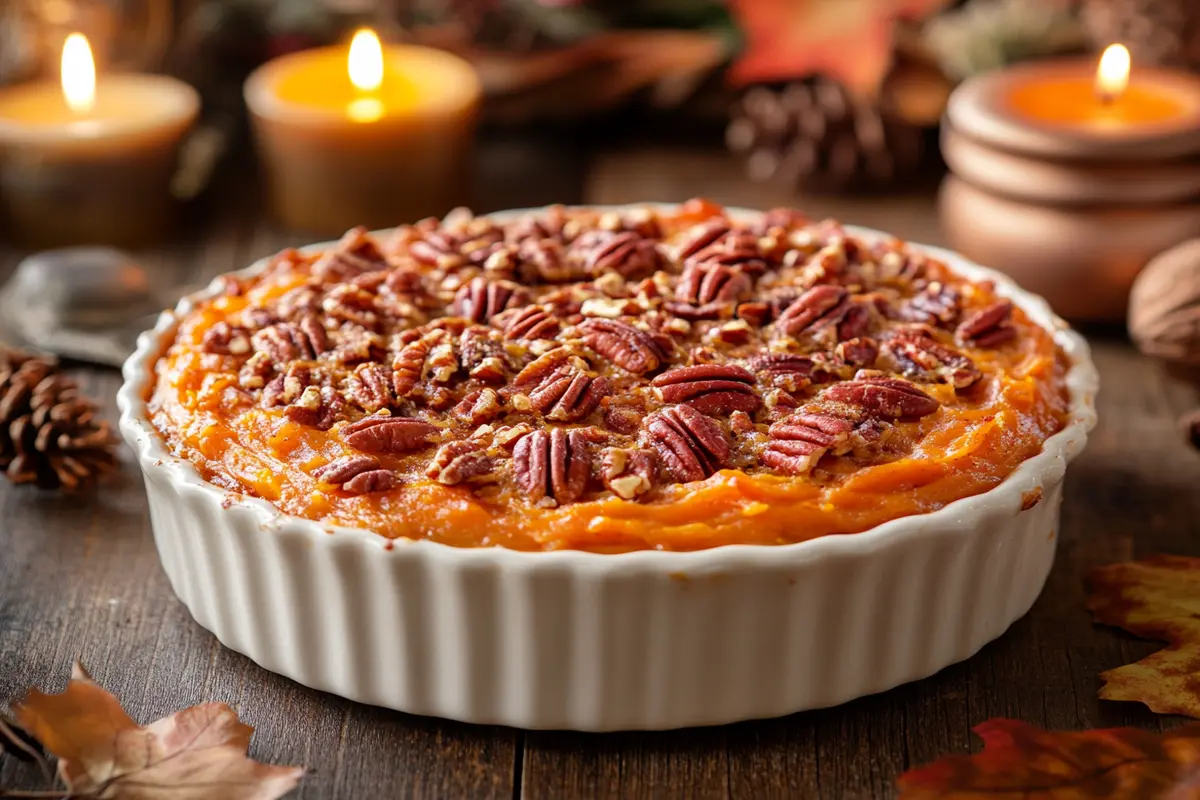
{"points": [[1112, 76], [366, 61], [78, 74]]}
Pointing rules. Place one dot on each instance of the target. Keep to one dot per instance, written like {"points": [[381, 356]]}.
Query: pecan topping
{"points": [[357, 475], [370, 386], [226, 339], [919, 355], [710, 388], [628, 473], [799, 441], [691, 445], [459, 461], [481, 299], [530, 322], [890, 398], [559, 389], [936, 304], [553, 465], [626, 253], [481, 405], [989, 326], [819, 304], [316, 407], [387, 434], [622, 344], [625, 347]]}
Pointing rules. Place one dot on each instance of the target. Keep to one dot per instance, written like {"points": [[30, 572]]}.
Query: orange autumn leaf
{"points": [[848, 40], [1021, 762], [194, 754], [1159, 599]]}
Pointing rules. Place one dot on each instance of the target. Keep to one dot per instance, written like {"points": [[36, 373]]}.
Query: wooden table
{"points": [[80, 578]]}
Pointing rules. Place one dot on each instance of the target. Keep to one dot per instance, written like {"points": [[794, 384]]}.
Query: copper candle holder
{"points": [[1070, 192]]}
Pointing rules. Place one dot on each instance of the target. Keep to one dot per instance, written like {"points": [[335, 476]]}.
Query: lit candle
{"points": [[369, 135], [89, 160], [1071, 174]]}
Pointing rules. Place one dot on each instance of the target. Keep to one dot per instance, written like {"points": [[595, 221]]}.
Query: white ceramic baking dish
{"points": [[643, 640]]}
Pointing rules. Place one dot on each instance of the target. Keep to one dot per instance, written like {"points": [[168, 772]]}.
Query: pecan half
{"points": [[797, 370], [700, 236], [376, 480], [387, 434], [559, 388], [481, 299], [624, 252], [921, 356], [819, 304], [629, 348], [799, 441], [354, 254], [459, 461], [546, 261], [342, 469], [530, 323], [628, 473], [691, 445], [936, 304], [479, 406], [989, 326], [710, 388], [735, 248], [555, 464], [890, 398], [284, 342], [707, 281], [370, 386]]}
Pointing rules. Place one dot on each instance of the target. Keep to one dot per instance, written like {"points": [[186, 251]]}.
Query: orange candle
{"points": [[88, 160], [367, 135], [1071, 174]]}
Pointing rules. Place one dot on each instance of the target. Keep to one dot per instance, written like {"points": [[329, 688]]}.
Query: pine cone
{"points": [[818, 136], [1165, 32], [49, 433]]}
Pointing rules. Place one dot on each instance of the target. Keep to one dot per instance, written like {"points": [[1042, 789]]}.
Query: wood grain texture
{"points": [[80, 578]]}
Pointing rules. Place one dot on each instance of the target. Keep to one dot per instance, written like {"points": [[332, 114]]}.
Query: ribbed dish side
{"points": [[549, 647]]}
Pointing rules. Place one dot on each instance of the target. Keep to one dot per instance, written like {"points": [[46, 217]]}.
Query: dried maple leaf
{"points": [[1021, 761], [194, 754], [848, 40], [1158, 598]]}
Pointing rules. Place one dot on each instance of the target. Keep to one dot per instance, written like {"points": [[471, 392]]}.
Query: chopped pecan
{"points": [[483, 355], [284, 342], [370, 386], [989, 326], [799, 441], [479, 406], [855, 322], [556, 465], [629, 348], [481, 299], [628, 473], [455, 462], [691, 445], [342, 469], [545, 261], [921, 356], [255, 371], [529, 323], [548, 225], [387, 434], [755, 314], [226, 339], [818, 305], [858, 352], [356, 344], [740, 422], [710, 388], [889, 398], [623, 419], [626, 253], [288, 387], [317, 407], [785, 370], [349, 303]]}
